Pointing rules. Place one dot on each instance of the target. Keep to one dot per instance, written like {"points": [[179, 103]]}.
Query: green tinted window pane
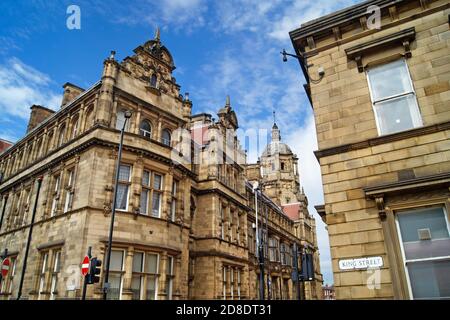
{"points": [[412, 221], [430, 279], [138, 258], [115, 283], [116, 261], [152, 263]]}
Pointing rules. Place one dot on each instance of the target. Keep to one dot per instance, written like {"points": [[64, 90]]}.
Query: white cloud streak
{"points": [[21, 86]]}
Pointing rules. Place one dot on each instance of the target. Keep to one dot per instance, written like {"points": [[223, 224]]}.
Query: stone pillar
{"points": [[138, 120], [81, 118], [176, 286], [127, 294], [167, 195], [136, 184], [162, 276], [159, 130]]}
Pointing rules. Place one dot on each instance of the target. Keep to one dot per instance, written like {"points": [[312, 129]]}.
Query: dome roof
{"points": [[276, 147]]}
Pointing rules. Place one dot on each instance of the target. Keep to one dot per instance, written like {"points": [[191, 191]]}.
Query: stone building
{"points": [[277, 174], [185, 215], [381, 100]]}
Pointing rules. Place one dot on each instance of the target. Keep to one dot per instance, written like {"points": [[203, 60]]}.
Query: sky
{"points": [[226, 47]]}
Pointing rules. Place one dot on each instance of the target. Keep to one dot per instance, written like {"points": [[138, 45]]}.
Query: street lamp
{"points": [[259, 246], [303, 63], [113, 213]]}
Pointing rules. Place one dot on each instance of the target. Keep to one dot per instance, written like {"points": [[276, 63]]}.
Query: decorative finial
{"points": [[227, 103], [113, 54], [157, 34], [274, 118]]}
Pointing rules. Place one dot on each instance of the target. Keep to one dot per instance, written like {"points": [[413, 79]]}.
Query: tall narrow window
{"points": [[69, 190], [145, 129], [153, 81], [169, 277], [116, 275], [137, 280], [230, 224], [425, 238], [157, 195], [55, 273], [145, 193], [123, 188], [166, 137], [173, 205], [151, 269], [151, 194], [75, 124], [61, 136], [42, 271], [224, 281], [393, 97], [56, 186]]}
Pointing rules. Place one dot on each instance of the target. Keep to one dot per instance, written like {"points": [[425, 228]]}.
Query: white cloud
{"points": [[21, 86]]}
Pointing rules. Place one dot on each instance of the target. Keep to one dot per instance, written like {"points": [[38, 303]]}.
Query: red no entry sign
{"points": [[85, 266], [5, 267]]}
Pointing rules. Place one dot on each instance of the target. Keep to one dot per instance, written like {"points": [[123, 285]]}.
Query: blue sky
{"points": [[219, 47]]}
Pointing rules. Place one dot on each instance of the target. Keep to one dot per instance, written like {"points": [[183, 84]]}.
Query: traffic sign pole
{"points": [[86, 276]]}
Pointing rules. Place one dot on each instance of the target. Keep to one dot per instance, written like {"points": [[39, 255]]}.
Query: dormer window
{"points": [[153, 81], [145, 129]]}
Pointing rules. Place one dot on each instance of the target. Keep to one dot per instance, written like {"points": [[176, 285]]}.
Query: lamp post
{"points": [[259, 246], [113, 213]]}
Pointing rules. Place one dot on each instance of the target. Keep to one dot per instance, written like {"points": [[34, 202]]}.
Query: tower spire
{"points": [[158, 34]]}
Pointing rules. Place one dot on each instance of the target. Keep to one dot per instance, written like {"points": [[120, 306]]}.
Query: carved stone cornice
{"points": [[402, 38]]}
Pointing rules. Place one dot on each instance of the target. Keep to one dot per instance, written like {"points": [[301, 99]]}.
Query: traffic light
{"points": [[94, 271]]}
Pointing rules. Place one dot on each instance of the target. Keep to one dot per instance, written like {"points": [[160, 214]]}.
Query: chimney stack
{"points": [[37, 116], [71, 91]]}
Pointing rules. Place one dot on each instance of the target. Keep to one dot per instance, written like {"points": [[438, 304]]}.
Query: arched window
{"points": [[61, 135], [153, 80], [75, 125], [89, 118], [145, 129], [166, 136]]}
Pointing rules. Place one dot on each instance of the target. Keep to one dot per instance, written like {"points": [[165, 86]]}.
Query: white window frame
{"points": [[156, 275], [56, 195], [44, 259], [170, 277], [141, 277], [69, 195], [128, 184], [56, 269], [121, 272], [415, 114], [404, 260]]}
